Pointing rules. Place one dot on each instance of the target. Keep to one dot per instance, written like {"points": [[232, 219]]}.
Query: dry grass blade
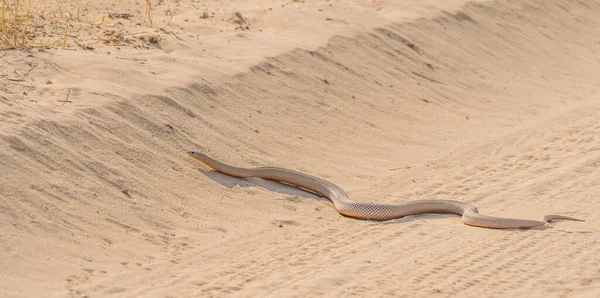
{"points": [[78, 10], [148, 12], [65, 37], [59, 9], [16, 20], [170, 13], [3, 19]]}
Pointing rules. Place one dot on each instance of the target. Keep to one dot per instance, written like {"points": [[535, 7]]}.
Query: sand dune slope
{"points": [[495, 104]]}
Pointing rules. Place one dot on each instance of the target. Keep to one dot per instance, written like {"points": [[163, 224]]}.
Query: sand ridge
{"points": [[492, 103]]}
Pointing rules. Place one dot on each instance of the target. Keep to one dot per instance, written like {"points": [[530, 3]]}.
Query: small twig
{"points": [[18, 82], [430, 79], [170, 32], [134, 33], [32, 68], [132, 59], [85, 47], [67, 99], [18, 76], [400, 168]]}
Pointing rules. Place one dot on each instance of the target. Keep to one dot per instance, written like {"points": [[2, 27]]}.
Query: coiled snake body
{"points": [[347, 207]]}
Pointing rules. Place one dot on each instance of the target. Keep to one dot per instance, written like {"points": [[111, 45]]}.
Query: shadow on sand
{"points": [[274, 186]]}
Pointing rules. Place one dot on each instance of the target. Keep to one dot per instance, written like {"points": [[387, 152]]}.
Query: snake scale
{"points": [[372, 211]]}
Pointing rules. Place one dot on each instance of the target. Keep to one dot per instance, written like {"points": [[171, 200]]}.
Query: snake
{"points": [[374, 211]]}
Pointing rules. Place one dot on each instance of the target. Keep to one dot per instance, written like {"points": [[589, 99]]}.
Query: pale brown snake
{"points": [[345, 206]]}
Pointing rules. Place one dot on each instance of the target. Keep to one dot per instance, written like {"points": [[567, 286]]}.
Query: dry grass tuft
{"points": [[47, 24], [14, 23]]}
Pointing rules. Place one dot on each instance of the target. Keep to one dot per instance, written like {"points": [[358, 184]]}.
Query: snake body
{"points": [[347, 207]]}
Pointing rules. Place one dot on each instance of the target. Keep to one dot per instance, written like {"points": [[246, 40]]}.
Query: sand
{"points": [[493, 103]]}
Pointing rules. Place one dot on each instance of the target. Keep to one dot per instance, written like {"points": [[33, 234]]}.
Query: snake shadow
{"points": [[274, 186], [419, 217]]}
